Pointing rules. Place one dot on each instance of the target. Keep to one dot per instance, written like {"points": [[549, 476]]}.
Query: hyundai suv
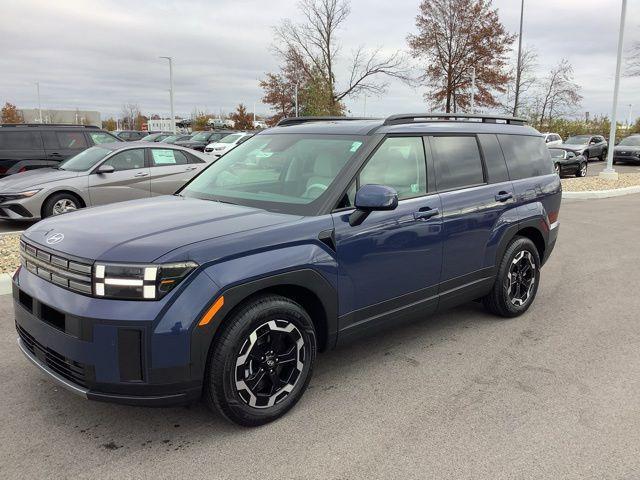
{"points": [[307, 236]]}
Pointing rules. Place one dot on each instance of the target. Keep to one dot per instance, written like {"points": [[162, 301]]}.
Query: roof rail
{"points": [[451, 117], [46, 125], [299, 120]]}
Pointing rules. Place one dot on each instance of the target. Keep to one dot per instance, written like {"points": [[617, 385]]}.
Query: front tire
{"points": [[260, 365], [603, 156], [60, 203], [517, 280], [582, 170]]}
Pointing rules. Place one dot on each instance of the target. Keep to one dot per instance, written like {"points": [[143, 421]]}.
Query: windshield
{"points": [[200, 137], [276, 172], [172, 138], [230, 138], [150, 138], [556, 153], [630, 141], [84, 160], [578, 140]]}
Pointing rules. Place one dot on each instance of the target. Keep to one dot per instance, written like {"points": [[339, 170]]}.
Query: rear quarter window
{"points": [[527, 156], [20, 140]]}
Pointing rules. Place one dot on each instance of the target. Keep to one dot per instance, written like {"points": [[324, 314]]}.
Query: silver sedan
{"points": [[100, 175]]}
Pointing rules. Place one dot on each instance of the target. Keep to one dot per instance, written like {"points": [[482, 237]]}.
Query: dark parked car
{"points": [[306, 236], [591, 146], [172, 139], [200, 140], [568, 162], [628, 150], [130, 135], [28, 146], [156, 137]]}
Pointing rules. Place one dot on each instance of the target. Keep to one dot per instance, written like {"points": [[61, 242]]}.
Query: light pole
{"points": [[629, 117], [39, 104], [609, 172], [517, 93], [173, 117], [365, 105]]}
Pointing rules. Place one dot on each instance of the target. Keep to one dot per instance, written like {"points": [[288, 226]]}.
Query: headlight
{"points": [[138, 282], [16, 196]]}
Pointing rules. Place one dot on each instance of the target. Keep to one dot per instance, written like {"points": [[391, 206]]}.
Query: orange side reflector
{"points": [[206, 318]]}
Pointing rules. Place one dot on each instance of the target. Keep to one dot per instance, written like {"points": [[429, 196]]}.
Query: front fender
{"points": [[308, 266]]}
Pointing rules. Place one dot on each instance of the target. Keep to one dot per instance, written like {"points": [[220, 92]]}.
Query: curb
{"points": [[616, 192], [11, 233], [5, 284]]}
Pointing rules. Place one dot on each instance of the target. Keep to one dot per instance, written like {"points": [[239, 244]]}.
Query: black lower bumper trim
{"points": [[181, 398]]}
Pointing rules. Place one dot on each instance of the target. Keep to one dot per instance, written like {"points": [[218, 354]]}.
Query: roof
{"points": [[406, 123]]}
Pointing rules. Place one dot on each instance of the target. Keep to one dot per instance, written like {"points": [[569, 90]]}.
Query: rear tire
{"points": [[60, 203], [260, 365], [517, 280]]}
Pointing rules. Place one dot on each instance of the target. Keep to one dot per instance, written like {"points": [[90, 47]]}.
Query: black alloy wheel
{"points": [[517, 280], [261, 362]]}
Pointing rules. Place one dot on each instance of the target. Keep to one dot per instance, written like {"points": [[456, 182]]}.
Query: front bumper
{"points": [[27, 209], [128, 352]]}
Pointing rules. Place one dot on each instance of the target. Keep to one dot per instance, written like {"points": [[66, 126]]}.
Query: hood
{"points": [[189, 143], [626, 148], [143, 230], [20, 182], [573, 146]]}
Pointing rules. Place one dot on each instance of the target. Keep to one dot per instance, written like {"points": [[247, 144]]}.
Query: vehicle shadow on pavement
{"points": [[114, 427]]}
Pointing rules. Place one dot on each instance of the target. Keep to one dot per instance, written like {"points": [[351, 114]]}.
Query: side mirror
{"points": [[371, 198], [106, 169]]}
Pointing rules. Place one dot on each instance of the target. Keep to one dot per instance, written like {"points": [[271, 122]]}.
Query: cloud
{"points": [[99, 55]]}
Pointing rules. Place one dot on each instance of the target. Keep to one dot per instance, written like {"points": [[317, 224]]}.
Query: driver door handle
{"points": [[141, 174], [504, 196], [188, 169], [426, 213]]}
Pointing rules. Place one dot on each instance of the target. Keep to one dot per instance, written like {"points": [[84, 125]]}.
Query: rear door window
{"points": [[526, 156], [457, 161], [167, 157], [493, 159], [20, 140]]}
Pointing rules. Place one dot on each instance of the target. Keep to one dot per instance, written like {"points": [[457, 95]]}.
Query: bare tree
{"points": [[559, 93], [315, 44], [633, 61], [515, 105], [454, 37], [129, 114]]}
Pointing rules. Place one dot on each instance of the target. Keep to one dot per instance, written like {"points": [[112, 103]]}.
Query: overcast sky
{"points": [[97, 55]]}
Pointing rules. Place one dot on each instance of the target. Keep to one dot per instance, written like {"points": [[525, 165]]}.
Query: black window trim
{"points": [[356, 176], [482, 161]]}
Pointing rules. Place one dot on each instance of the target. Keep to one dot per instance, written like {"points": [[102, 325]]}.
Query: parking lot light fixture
{"points": [[609, 172], [173, 117]]}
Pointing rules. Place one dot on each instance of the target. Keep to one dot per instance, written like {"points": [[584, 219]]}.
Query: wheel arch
{"points": [[532, 229], [68, 191], [306, 287]]}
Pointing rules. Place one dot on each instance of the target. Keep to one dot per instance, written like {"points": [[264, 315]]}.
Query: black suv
{"points": [[201, 139], [28, 146]]}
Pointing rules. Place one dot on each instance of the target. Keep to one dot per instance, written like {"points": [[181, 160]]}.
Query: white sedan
{"points": [[227, 143]]}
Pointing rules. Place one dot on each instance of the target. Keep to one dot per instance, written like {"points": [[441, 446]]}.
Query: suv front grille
{"points": [[69, 369], [57, 269]]}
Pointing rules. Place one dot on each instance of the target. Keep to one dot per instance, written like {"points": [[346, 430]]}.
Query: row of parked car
{"points": [[213, 142], [63, 168], [571, 157]]}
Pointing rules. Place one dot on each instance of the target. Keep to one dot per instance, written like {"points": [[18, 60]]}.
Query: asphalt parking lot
{"points": [[595, 167], [553, 394]]}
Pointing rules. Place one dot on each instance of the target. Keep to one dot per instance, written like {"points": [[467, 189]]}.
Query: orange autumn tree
{"points": [[11, 114], [453, 37]]}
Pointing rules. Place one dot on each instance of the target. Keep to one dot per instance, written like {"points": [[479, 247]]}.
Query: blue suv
{"points": [[308, 235]]}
